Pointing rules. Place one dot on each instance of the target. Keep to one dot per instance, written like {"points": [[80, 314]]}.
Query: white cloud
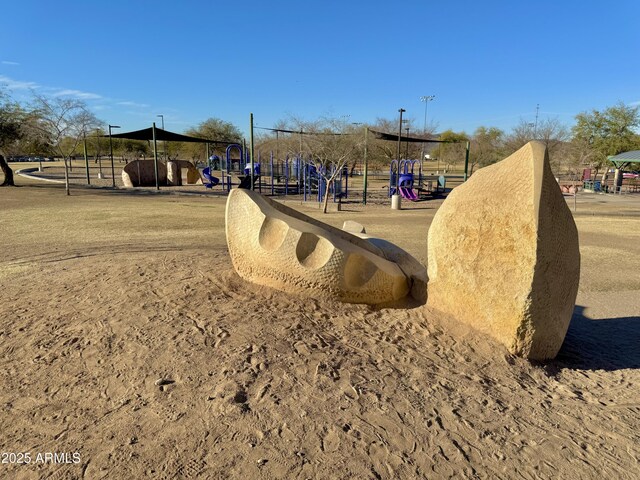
{"points": [[17, 84], [133, 104], [77, 94], [6, 62]]}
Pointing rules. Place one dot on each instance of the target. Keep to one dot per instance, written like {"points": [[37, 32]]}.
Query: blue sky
{"points": [[488, 63]]}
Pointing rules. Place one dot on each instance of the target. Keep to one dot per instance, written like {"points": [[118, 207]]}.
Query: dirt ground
{"points": [[128, 343]]}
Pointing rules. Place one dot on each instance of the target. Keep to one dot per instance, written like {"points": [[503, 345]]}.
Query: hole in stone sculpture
{"points": [[313, 251], [272, 233], [358, 270]]}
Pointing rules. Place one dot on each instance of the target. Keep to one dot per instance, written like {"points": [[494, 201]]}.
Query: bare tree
{"points": [[549, 131], [331, 152], [63, 121], [328, 144]]}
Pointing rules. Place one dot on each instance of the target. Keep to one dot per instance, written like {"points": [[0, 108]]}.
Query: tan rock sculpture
{"points": [[503, 255], [273, 245], [141, 173], [412, 268]]}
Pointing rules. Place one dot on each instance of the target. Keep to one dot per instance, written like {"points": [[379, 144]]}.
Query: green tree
{"points": [[453, 151], [213, 129], [487, 144], [600, 134]]}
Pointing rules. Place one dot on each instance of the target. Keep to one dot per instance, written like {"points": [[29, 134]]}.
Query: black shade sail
{"points": [[394, 137], [163, 135]]}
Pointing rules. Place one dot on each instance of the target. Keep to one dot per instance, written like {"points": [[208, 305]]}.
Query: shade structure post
{"points": [[86, 158], [251, 148], [366, 166], [466, 162], [155, 156]]}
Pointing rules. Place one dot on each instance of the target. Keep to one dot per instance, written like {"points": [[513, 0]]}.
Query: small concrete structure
{"points": [[503, 255], [273, 245]]}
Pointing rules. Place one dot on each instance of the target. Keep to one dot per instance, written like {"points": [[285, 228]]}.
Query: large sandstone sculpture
{"points": [[503, 255], [271, 244], [141, 173]]}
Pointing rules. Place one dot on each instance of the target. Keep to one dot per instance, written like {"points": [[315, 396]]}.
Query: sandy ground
{"points": [[127, 339]]}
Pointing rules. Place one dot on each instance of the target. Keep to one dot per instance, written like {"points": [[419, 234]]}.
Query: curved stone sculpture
{"points": [[503, 255], [141, 173], [412, 268], [273, 245]]}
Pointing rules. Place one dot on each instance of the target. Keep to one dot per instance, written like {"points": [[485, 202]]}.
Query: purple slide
{"points": [[408, 193]]}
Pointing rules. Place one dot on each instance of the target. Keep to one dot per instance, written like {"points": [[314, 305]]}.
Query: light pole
{"points": [[113, 171], [164, 143], [426, 99]]}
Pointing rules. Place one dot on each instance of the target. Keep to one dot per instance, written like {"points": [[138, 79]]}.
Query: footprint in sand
{"points": [[331, 441]]}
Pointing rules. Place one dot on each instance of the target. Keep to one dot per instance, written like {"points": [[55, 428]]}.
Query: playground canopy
{"points": [[162, 135], [394, 137], [625, 159]]}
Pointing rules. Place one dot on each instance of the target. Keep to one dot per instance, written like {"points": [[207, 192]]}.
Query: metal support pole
{"points": [[155, 156], [251, 147], [164, 144], [366, 166], [396, 198], [466, 162], [98, 156], [113, 174], [86, 158]]}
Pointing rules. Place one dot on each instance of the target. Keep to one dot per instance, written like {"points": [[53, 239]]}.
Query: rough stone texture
{"points": [[273, 245], [140, 173], [503, 255]]}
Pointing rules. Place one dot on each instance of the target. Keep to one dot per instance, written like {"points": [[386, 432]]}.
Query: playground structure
{"points": [[299, 175], [291, 176], [402, 177], [403, 185]]}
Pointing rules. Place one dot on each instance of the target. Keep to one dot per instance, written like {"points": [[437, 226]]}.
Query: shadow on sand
{"points": [[606, 344]]}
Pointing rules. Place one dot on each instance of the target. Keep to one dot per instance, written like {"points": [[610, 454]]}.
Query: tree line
{"points": [[64, 127]]}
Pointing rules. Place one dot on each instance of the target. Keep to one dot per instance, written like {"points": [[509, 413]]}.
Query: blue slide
{"points": [[211, 181]]}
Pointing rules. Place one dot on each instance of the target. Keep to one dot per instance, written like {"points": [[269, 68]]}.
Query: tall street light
{"points": [[164, 143], [426, 99], [113, 170]]}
